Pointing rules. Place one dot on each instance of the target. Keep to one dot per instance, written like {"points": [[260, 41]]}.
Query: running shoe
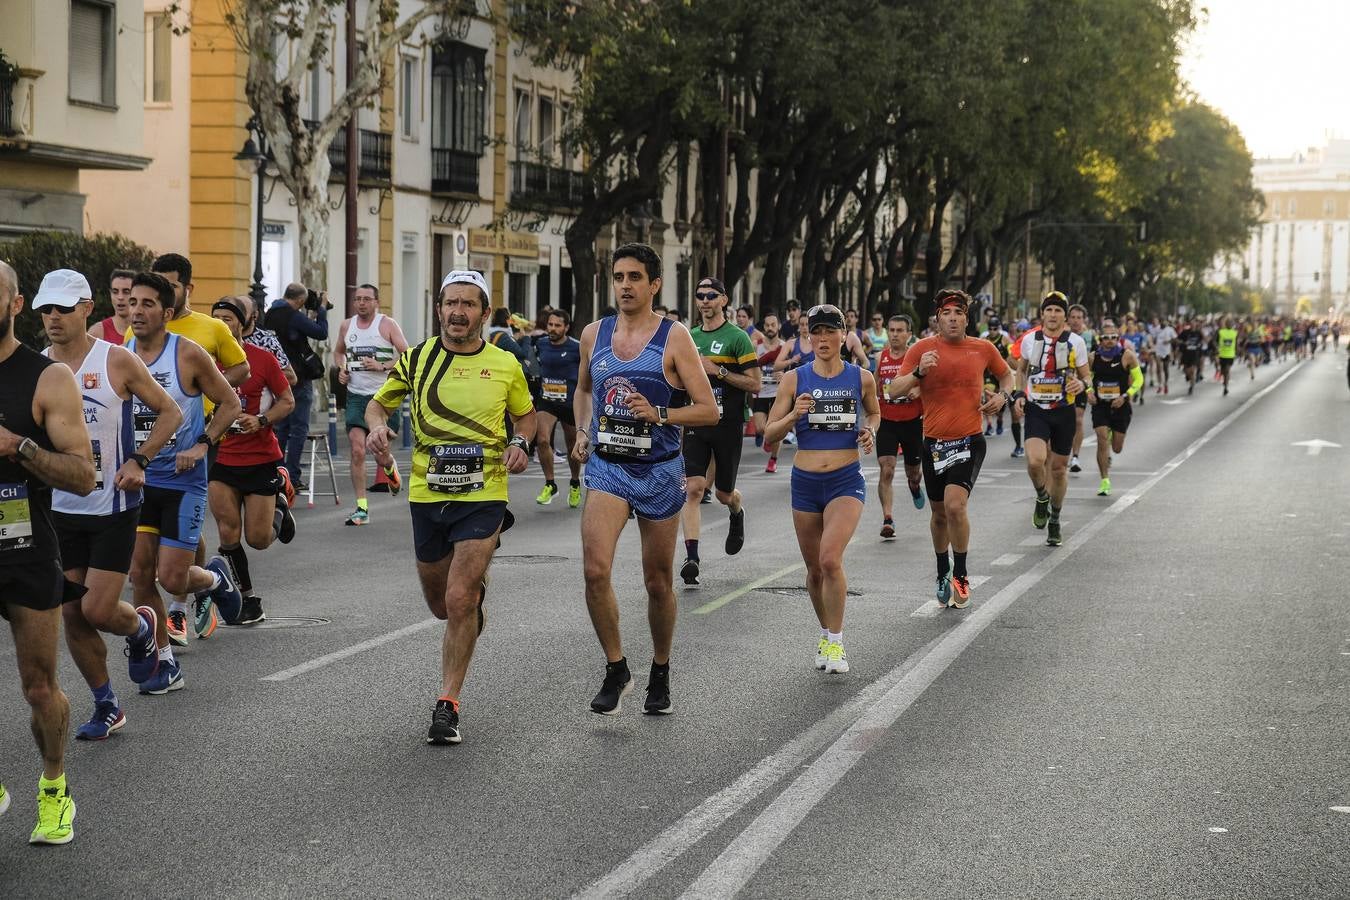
{"points": [[574, 496], [658, 692], [286, 525], [107, 718], [177, 626], [944, 588], [772, 465], [989, 431], [735, 533], [917, 497], [689, 572], [56, 817], [143, 655], [822, 652], [546, 495], [960, 591], [444, 723], [1041, 514], [999, 429], [617, 683], [790, 439], [251, 613], [395, 482], [1104, 489], [225, 594], [168, 678], [836, 660], [4, 800], [1018, 453], [204, 617], [1074, 466], [1053, 538], [888, 529], [360, 517], [379, 487], [287, 489], [707, 497]]}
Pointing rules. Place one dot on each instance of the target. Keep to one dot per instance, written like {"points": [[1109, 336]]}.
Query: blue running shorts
{"points": [[655, 491], [813, 491]]}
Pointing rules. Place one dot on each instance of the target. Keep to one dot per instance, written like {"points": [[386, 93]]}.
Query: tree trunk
{"points": [[312, 213], [773, 298], [581, 248]]}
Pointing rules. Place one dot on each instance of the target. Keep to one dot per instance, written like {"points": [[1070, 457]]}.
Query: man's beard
{"points": [[6, 324]]}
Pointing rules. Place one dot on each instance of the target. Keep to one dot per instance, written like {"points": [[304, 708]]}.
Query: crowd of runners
{"points": [[120, 437]]}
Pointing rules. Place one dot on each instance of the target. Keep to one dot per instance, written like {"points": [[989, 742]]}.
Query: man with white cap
{"points": [[97, 531], [460, 389]]}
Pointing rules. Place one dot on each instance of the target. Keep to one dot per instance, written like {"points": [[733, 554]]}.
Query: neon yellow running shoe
{"points": [[546, 495], [822, 652], [574, 496], [1104, 489], [56, 814], [836, 660], [4, 800]]}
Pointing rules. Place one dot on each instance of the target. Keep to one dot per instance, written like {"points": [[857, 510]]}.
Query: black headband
{"points": [[232, 307]]}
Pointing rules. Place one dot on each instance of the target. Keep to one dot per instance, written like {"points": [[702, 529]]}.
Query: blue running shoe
{"points": [[142, 655], [944, 589], [918, 500], [168, 678], [227, 596], [107, 718]]}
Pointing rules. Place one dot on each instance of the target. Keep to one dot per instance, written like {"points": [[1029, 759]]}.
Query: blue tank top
{"points": [[558, 366], [808, 356], [833, 423], [162, 471], [616, 435]]}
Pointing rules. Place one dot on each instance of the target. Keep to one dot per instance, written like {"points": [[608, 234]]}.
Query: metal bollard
{"points": [[405, 424], [332, 423]]}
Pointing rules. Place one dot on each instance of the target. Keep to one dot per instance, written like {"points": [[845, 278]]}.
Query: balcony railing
{"points": [[454, 171], [7, 126], [376, 154], [540, 185]]}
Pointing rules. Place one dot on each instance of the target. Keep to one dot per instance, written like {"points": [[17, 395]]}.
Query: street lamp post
{"points": [[257, 153]]}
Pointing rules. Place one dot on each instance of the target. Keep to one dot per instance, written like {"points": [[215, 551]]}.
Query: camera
{"points": [[313, 301]]}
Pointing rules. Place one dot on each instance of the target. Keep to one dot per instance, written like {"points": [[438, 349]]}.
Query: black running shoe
{"points": [[658, 692], [689, 572], [286, 529], [380, 488], [1053, 538], [707, 497], [444, 724], [618, 682], [736, 533], [251, 613]]}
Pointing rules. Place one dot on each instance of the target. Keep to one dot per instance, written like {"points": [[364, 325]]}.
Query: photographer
{"points": [[301, 315]]}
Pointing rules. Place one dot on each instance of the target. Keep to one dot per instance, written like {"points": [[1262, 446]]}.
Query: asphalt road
{"points": [[1159, 708]]}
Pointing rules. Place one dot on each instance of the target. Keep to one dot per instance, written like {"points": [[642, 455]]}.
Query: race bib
{"points": [[717, 395], [624, 437], [98, 466], [356, 357], [16, 520], [1108, 391], [144, 419], [455, 468], [1046, 388], [833, 414], [767, 376], [948, 453], [554, 390]]}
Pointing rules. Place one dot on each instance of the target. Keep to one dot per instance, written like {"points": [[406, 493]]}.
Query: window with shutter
{"points": [[92, 37]]}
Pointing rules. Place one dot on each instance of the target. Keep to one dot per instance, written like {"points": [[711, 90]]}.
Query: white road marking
{"points": [[1007, 559], [1340, 809], [337, 655], [897, 690], [1035, 540], [1218, 831], [929, 610]]}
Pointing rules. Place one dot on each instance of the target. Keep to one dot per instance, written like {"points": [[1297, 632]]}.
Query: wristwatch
{"points": [[918, 373], [28, 448], [262, 420], [205, 438], [141, 460], [662, 415], [722, 373]]}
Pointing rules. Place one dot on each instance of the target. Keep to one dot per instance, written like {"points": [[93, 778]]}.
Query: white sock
{"points": [[836, 637], [166, 654], [825, 633], [177, 606]]}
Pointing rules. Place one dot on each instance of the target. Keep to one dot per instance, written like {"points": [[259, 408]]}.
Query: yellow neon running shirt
{"points": [[458, 402]]}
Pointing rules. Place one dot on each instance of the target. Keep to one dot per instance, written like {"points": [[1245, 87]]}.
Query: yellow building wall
{"points": [[386, 203]]}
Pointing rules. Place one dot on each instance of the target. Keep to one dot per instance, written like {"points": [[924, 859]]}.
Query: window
{"points": [[458, 97], [545, 129], [409, 108], [93, 52], [522, 131], [315, 90], [158, 58], [567, 137]]}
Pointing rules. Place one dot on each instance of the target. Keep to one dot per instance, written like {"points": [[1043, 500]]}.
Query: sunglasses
{"points": [[821, 306], [709, 295], [1108, 337], [48, 309]]}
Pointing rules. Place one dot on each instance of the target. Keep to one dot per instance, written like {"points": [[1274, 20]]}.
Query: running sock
{"points": [[944, 563], [1017, 433], [825, 633], [1054, 514], [552, 484], [166, 654], [143, 632], [178, 606], [451, 700], [835, 637], [1042, 494], [104, 694], [52, 784], [239, 562], [363, 504], [575, 482], [958, 564], [887, 520], [691, 549]]}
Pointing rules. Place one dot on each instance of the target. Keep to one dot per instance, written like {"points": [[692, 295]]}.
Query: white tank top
{"points": [[366, 343], [109, 420]]}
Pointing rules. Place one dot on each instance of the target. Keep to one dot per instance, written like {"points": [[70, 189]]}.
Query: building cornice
{"points": [[74, 157]]}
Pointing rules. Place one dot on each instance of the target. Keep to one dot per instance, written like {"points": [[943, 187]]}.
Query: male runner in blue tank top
{"points": [[631, 364]]}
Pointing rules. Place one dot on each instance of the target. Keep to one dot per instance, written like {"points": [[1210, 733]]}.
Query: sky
{"points": [[1278, 69]]}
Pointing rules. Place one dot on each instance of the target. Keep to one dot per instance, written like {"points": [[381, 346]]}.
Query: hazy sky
{"points": [[1278, 69]]}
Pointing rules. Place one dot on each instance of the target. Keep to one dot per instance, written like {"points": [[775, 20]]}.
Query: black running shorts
{"points": [[1118, 420], [438, 526], [263, 480], [36, 584], [962, 474], [560, 411], [97, 542], [718, 442], [906, 437], [1054, 426]]}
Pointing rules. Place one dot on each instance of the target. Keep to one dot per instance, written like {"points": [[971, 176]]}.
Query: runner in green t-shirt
{"points": [[732, 366], [1227, 346]]}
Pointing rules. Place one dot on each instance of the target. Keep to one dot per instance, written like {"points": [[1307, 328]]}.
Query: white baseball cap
{"points": [[63, 287], [468, 276]]}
